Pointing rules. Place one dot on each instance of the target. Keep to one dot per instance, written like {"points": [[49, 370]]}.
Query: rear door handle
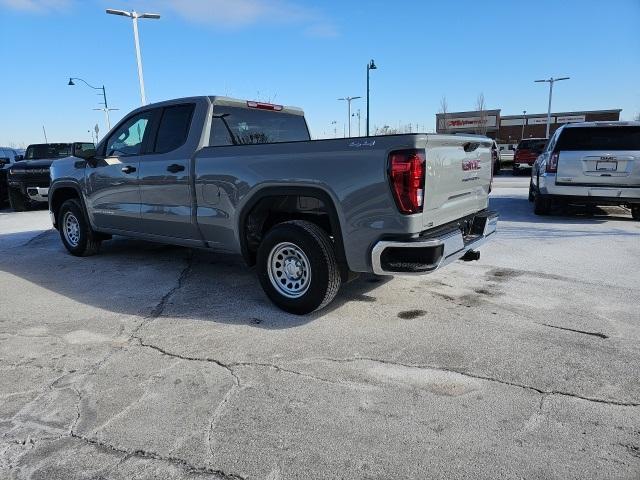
{"points": [[175, 168], [128, 169]]}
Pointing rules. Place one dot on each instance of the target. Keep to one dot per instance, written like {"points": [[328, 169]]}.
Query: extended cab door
{"points": [[113, 195], [165, 186]]}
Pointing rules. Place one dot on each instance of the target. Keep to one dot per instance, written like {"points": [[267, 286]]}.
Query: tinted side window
{"points": [[129, 138], [245, 126], [174, 127], [600, 138]]}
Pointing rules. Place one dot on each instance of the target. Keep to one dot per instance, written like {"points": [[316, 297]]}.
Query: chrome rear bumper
{"points": [[422, 256]]}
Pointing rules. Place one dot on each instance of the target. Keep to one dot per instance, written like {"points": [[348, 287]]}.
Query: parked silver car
{"points": [[591, 163]]}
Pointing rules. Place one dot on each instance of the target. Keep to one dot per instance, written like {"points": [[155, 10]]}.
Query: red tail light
{"points": [[552, 163], [264, 106], [406, 175]]}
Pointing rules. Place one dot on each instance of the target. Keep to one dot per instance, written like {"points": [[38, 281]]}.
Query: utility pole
{"points": [[135, 16], [550, 81], [370, 66], [349, 100]]}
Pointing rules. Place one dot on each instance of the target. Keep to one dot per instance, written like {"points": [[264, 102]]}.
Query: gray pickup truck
{"points": [[244, 177]]}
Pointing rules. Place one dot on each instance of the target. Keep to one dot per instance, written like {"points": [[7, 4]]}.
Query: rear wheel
{"points": [[531, 192], [17, 200], [635, 212], [297, 267], [542, 205], [76, 233]]}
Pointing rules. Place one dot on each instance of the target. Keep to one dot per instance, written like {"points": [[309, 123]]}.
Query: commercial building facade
{"points": [[512, 128]]}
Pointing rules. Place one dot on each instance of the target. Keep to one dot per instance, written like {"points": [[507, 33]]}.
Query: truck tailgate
{"points": [[458, 177]]}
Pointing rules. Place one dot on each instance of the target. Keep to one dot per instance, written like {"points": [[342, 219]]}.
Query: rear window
{"points": [[246, 126], [535, 145], [600, 138]]}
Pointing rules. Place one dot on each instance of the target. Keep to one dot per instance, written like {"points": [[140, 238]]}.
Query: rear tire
{"points": [[635, 212], [532, 195], [75, 231], [542, 205], [17, 201], [297, 267]]}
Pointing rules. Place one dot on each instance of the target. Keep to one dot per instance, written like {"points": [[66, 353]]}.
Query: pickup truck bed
{"points": [[244, 177]]}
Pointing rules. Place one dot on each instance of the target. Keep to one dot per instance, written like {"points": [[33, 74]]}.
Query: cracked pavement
{"points": [[148, 361]]}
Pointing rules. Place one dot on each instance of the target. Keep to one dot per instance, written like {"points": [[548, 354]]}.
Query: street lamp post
{"points": [[106, 108], [524, 120], [370, 66], [135, 16], [550, 81], [349, 100]]}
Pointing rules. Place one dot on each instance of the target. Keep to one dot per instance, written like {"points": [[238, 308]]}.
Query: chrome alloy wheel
{"points": [[71, 229], [289, 270]]}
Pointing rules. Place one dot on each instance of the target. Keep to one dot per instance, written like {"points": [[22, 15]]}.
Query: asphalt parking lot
{"points": [[149, 361]]}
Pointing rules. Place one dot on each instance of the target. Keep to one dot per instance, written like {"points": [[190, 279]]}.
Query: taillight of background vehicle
{"points": [[407, 175], [552, 163]]}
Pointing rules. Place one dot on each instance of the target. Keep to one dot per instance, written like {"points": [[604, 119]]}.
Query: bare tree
{"points": [[444, 108], [481, 129]]}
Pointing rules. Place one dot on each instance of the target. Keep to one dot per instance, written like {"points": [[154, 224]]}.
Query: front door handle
{"points": [[128, 169], [175, 168]]}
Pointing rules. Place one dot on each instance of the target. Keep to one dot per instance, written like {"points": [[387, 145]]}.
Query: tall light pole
{"points": [[524, 120], [135, 16], [357, 114], [349, 100], [106, 108], [370, 66], [550, 81]]}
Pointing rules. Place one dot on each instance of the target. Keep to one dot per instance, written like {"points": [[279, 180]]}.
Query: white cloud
{"points": [[235, 14], [36, 6]]}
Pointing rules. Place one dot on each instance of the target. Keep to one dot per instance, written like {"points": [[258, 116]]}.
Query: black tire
{"points": [[532, 195], [542, 205], [313, 250], [88, 241], [516, 171], [17, 200], [635, 212]]}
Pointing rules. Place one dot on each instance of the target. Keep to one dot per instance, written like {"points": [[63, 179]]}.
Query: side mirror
{"points": [[86, 154], [19, 157], [4, 161]]}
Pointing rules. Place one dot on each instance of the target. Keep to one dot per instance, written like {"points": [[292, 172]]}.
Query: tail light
{"points": [[552, 163], [264, 106], [406, 175]]}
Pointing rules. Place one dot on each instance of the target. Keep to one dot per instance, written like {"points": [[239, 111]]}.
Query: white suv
{"points": [[593, 163]]}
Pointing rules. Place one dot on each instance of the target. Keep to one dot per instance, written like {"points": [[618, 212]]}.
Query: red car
{"points": [[526, 153]]}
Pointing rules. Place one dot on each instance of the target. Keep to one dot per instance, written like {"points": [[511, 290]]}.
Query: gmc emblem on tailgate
{"points": [[470, 165], [607, 158]]}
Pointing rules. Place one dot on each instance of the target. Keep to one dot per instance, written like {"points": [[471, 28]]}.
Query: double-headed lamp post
{"points": [[370, 66], [349, 100], [550, 81], [135, 16], [106, 108]]}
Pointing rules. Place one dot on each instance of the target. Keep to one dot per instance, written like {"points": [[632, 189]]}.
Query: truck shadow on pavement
{"points": [[150, 280]]}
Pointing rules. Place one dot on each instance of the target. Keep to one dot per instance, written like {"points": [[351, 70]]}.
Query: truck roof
{"points": [[230, 102]]}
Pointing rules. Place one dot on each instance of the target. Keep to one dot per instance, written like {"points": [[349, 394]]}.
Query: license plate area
{"points": [[607, 166]]}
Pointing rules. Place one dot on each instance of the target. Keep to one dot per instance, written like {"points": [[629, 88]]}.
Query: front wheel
{"points": [[17, 201], [76, 233], [297, 267]]}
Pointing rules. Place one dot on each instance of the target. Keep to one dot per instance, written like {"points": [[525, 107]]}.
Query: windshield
{"points": [[535, 145], [48, 150]]}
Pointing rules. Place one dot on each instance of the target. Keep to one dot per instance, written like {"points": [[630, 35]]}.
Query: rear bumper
{"points": [[597, 194], [426, 255]]}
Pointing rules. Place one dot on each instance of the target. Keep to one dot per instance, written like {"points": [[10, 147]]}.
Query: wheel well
{"points": [[61, 195], [270, 210]]}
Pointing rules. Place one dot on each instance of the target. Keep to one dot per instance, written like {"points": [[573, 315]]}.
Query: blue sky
{"points": [[308, 54]]}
